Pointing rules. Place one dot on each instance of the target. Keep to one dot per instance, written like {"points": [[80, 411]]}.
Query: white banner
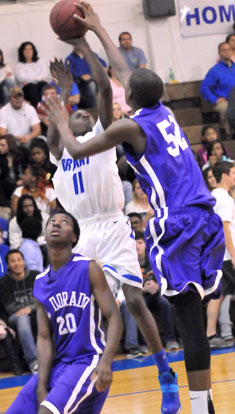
{"points": [[206, 17]]}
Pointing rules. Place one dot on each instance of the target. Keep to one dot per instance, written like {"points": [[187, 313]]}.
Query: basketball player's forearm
{"points": [[115, 57], [97, 69], [45, 360], [114, 333], [54, 141]]}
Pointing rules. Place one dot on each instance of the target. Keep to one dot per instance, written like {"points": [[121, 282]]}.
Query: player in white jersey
{"points": [[91, 190]]}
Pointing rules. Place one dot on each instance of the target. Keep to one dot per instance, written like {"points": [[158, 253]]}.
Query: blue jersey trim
{"points": [[129, 277]]}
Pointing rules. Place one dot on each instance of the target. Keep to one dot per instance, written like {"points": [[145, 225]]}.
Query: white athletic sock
{"points": [[199, 402]]}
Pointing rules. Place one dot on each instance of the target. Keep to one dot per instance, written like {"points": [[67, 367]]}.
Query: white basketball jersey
{"points": [[90, 186]]}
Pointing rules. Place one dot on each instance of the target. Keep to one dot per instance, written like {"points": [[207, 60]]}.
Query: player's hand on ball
{"points": [[104, 376], [91, 19]]}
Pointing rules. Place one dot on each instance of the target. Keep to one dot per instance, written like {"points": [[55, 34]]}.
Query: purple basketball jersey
{"points": [[167, 170], [72, 310]]}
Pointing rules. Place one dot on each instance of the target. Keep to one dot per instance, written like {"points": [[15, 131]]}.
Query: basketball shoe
{"points": [[170, 393]]}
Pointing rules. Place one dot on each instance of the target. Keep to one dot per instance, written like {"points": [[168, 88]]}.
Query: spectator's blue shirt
{"points": [[32, 254], [218, 82], [4, 226], [79, 66], [74, 91], [133, 57], [3, 266]]}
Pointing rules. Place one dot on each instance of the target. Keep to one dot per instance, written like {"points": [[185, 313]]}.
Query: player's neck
{"points": [[59, 257]]}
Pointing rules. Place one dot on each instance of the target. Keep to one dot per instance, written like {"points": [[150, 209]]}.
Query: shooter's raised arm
{"points": [[92, 22]]}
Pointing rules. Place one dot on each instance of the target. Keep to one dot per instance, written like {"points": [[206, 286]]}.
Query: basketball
{"points": [[63, 22]]}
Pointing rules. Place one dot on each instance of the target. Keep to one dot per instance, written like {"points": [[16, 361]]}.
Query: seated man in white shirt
{"points": [[19, 118]]}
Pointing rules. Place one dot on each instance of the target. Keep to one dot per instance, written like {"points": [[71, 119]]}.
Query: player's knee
{"points": [[197, 354], [134, 300]]}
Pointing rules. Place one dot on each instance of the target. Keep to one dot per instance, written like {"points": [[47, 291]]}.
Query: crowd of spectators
{"points": [[27, 196]]}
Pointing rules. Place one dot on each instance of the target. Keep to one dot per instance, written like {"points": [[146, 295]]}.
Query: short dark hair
{"points": [[139, 235], [76, 228], [21, 54], [146, 87], [12, 251], [124, 33], [48, 86], [221, 167], [229, 37], [134, 214], [31, 228]]}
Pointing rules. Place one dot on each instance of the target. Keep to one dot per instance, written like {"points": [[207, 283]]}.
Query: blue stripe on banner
{"points": [[129, 277]]}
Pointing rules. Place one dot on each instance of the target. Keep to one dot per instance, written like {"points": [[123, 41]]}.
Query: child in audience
{"points": [[216, 152], [209, 135], [209, 178]]}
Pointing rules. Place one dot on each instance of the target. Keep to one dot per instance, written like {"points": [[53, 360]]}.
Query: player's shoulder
{"points": [[43, 274], [78, 258]]}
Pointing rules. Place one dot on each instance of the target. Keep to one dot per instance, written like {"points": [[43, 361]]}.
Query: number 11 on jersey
{"points": [[78, 183]]}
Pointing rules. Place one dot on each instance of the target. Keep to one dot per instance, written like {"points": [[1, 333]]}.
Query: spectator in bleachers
{"points": [[17, 300], [152, 296], [48, 91], [218, 83], [74, 97], [13, 161], [209, 178], [136, 222], [82, 75], [34, 183], [133, 56], [224, 173], [7, 80], [39, 155], [7, 340], [4, 226], [139, 203], [31, 230], [4, 248], [26, 207], [19, 118], [216, 152], [118, 93], [31, 72], [208, 135], [230, 39]]}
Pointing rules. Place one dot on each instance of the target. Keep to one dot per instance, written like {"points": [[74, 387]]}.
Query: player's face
{"points": [[81, 122], [3, 146], [60, 230], [126, 41], [210, 135], [28, 207], [211, 179], [38, 155], [15, 263]]}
